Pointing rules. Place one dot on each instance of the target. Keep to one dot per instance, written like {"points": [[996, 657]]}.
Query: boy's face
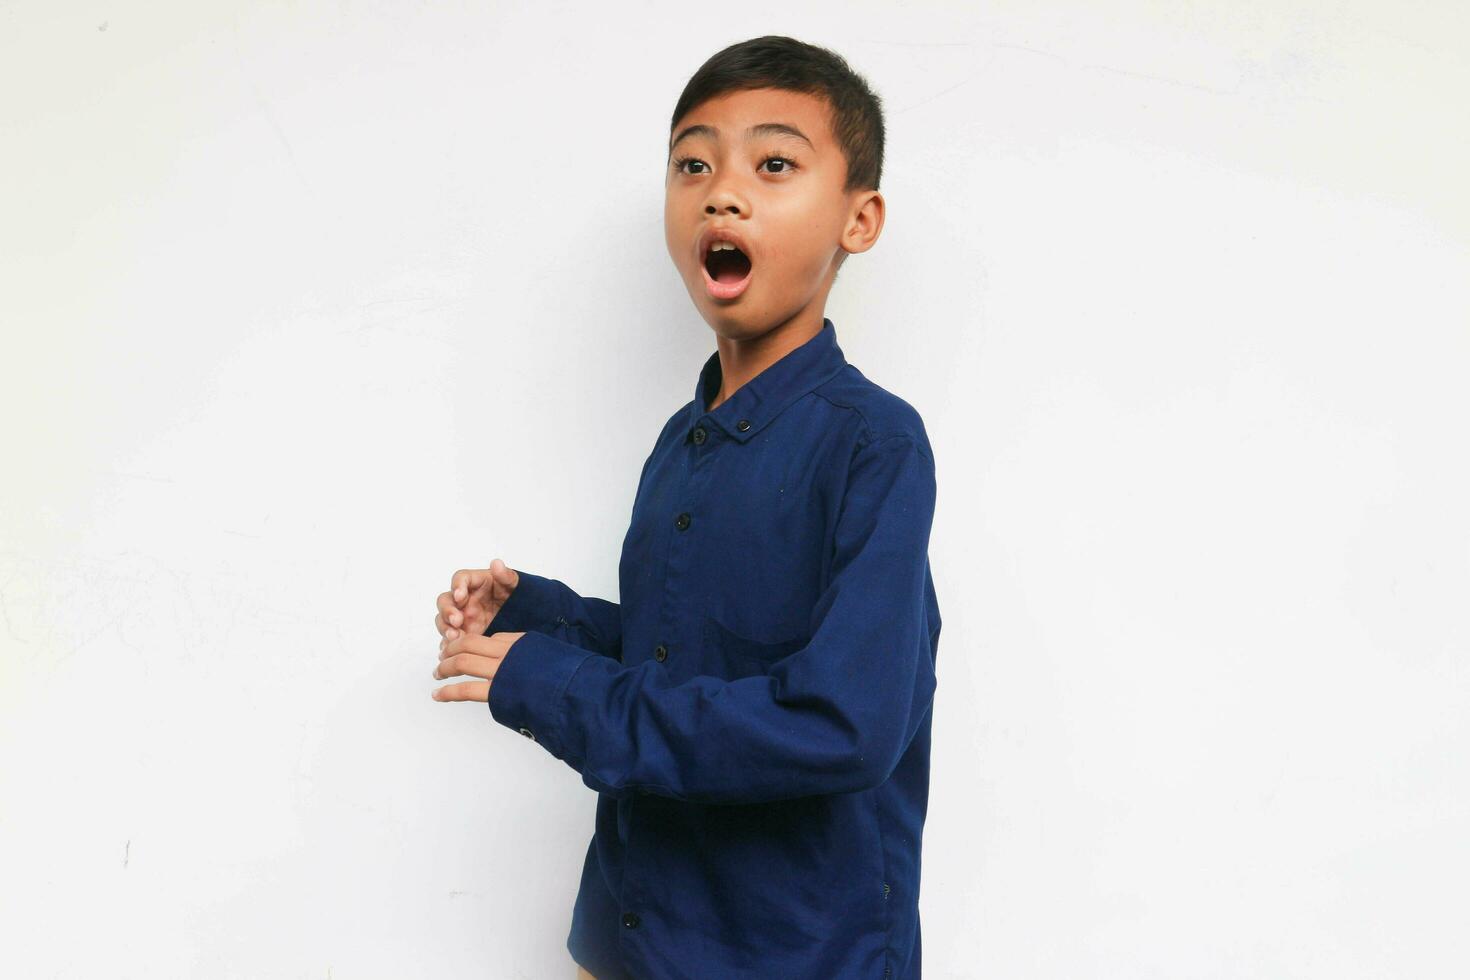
{"points": [[781, 196]]}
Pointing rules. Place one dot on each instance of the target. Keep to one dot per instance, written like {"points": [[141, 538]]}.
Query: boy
{"points": [[755, 714]]}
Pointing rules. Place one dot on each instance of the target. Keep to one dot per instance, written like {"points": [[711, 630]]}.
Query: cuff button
{"points": [[527, 732]]}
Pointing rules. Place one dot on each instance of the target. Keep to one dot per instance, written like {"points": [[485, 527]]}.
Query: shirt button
{"points": [[660, 653], [743, 424], [683, 521], [630, 919], [527, 732], [699, 435]]}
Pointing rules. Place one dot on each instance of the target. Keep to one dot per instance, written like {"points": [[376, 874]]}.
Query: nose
{"points": [[723, 197]]}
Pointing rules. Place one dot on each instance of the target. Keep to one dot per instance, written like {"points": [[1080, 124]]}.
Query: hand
{"points": [[473, 655], [475, 595]]}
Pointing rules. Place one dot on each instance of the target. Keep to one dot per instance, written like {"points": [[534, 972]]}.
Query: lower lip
{"points": [[725, 290]]}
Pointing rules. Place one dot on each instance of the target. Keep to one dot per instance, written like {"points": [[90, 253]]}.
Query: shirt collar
{"points": [[764, 396]]}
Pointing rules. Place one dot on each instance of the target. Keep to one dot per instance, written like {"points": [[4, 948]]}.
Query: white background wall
{"points": [[306, 306]]}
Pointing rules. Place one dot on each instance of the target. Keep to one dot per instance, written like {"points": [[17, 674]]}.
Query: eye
{"points": [[678, 164], [790, 164]]}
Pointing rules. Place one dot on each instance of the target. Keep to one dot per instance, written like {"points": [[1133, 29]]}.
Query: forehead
{"points": [[732, 113]]}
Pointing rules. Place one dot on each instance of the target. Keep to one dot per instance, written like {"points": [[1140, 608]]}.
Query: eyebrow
{"points": [[759, 129]]}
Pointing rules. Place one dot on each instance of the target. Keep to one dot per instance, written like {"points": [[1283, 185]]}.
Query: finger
{"points": [[451, 613], [466, 665], [445, 630], [463, 691], [493, 645], [465, 581], [450, 636]]}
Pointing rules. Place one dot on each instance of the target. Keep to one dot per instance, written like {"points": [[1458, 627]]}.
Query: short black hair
{"points": [[774, 61]]}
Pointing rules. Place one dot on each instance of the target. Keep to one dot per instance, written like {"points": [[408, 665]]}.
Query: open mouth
{"points": [[726, 270], [727, 265]]}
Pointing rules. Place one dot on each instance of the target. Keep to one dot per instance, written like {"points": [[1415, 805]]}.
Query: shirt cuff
{"points": [[527, 693], [534, 604]]}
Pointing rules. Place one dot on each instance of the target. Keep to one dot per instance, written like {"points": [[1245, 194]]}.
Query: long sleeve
{"points": [[549, 606], [833, 717]]}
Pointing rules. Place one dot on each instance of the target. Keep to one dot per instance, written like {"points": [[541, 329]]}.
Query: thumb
{"points": [[503, 574]]}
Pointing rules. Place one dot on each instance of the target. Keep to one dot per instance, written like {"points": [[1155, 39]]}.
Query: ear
{"points": [[864, 223]]}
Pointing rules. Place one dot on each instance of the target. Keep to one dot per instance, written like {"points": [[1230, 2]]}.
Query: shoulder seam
{"points": [[867, 426], [869, 435], [908, 436]]}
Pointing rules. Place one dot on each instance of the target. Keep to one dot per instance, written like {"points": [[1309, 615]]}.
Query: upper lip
{"points": [[722, 234]]}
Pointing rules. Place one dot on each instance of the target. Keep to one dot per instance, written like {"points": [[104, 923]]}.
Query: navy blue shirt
{"points": [[754, 715]]}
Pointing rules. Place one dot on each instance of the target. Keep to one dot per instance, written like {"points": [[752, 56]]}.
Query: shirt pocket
{"points": [[731, 655]]}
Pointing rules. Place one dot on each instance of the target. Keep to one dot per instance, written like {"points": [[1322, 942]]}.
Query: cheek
{"points": [[678, 250], [674, 229], [806, 239], [794, 259]]}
